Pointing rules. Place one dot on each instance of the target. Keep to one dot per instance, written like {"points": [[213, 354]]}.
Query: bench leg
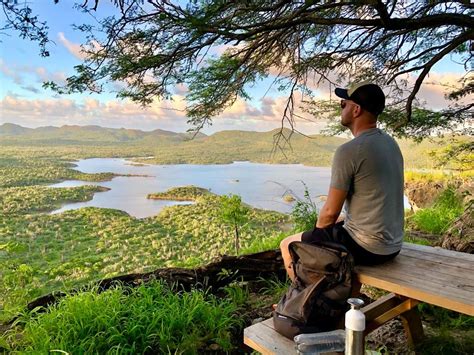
{"points": [[413, 327], [356, 285], [391, 306]]}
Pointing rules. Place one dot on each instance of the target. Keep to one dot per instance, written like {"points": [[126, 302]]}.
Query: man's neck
{"points": [[358, 129]]}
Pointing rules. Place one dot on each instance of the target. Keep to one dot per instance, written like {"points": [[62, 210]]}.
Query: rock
{"points": [[460, 236]]}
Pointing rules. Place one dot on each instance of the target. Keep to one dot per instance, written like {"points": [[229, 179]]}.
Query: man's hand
{"points": [[332, 208]]}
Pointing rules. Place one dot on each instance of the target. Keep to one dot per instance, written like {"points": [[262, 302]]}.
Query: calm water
{"points": [[260, 185]]}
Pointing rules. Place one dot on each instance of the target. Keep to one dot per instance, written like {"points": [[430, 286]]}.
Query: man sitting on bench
{"points": [[367, 174]]}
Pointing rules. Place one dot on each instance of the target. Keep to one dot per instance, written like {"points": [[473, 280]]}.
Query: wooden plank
{"points": [[392, 313], [437, 251], [263, 338], [380, 306], [426, 273], [455, 291], [446, 260], [413, 327], [458, 288], [438, 297]]}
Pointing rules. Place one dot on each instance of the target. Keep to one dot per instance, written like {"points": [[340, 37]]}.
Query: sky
{"points": [[23, 101]]}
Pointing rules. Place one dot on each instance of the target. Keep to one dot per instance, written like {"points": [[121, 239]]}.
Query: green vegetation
{"points": [[14, 200], [438, 218], [304, 213], [439, 176], [53, 147], [234, 215], [182, 193], [449, 333], [41, 253], [151, 318]]}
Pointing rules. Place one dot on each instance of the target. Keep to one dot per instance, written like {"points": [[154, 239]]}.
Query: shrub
{"points": [[437, 219], [304, 212], [152, 318]]}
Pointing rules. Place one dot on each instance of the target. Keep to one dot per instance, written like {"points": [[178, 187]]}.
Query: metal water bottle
{"points": [[355, 326]]}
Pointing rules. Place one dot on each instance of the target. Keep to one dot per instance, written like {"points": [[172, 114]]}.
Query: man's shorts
{"points": [[337, 233]]}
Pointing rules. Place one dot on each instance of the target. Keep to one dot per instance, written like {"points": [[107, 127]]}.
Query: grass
{"points": [[437, 219], [151, 318], [182, 193], [40, 253], [447, 341], [437, 176]]}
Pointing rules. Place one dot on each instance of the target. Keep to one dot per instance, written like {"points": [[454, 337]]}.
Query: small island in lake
{"points": [[182, 193]]}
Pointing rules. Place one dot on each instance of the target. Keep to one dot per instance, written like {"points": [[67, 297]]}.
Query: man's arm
{"points": [[332, 208]]}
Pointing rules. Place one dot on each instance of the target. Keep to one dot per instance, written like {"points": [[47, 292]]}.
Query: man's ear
{"points": [[357, 110]]}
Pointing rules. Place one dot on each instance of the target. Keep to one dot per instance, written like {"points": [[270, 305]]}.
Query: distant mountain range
{"points": [[223, 147], [87, 134]]}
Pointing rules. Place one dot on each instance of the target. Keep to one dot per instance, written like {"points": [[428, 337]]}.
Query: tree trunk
{"points": [[237, 242], [211, 277]]}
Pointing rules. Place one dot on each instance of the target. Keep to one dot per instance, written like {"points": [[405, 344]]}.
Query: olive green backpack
{"points": [[316, 300]]}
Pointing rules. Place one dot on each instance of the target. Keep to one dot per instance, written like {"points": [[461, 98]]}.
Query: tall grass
{"points": [[304, 212], [152, 318], [437, 219]]}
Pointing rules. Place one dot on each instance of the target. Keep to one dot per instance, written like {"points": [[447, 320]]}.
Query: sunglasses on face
{"points": [[344, 103]]}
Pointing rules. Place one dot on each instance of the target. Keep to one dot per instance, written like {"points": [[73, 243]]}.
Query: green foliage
{"points": [[75, 247], [184, 193], [29, 199], [40, 156], [437, 219], [275, 287], [265, 243], [445, 318], [304, 213], [150, 318], [458, 155], [234, 214]]}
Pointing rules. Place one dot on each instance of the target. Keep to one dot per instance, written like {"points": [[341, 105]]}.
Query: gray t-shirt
{"points": [[370, 168]]}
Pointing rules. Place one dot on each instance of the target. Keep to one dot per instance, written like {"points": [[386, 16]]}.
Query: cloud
{"points": [[113, 113], [21, 74], [31, 88], [436, 86], [10, 72], [161, 114], [44, 74], [73, 48], [76, 49]]}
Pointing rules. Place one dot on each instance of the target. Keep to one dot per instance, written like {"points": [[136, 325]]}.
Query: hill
{"points": [[223, 147], [91, 135]]}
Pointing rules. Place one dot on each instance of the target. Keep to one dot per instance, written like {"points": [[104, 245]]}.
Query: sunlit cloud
{"points": [[168, 114], [21, 74], [90, 111], [43, 75], [73, 48], [264, 114]]}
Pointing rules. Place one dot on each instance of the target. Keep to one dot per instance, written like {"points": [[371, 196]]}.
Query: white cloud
{"points": [[73, 48], [21, 74], [161, 114], [265, 115]]}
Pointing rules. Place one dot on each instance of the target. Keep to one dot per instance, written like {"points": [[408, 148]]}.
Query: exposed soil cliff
{"points": [[422, 194]]}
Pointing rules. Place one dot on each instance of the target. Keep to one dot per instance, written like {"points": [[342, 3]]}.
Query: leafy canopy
{"points": [[218, 48]]}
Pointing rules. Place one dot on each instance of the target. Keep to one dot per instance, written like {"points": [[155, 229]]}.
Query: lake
{"points": [[259, 185]]}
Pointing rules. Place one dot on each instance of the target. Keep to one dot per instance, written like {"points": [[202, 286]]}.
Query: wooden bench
{"points": [[418, 274]]}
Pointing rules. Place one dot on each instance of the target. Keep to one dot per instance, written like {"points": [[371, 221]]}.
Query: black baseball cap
{"points": [[368, 95]]}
